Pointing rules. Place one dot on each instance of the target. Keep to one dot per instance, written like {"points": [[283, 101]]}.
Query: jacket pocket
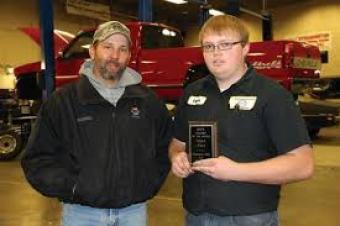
{"points": [[89, 187], [146, 179]]}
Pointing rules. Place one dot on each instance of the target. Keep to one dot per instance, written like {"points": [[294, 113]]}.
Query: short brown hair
{"points": [[225, 24]]}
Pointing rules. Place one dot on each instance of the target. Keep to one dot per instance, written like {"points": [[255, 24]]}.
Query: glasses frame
{"points": [[218, 46]]}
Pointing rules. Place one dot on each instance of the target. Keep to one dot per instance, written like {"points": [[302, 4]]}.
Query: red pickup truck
{"points": [[158, 53]]}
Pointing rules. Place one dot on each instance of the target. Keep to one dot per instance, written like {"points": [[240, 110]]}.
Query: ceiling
{"points": [[185, 15]]}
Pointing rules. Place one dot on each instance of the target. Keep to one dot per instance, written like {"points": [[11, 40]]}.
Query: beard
{"points": [[107, 73]]}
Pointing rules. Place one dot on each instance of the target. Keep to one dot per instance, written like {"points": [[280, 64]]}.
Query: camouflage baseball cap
{"points": [[109, 28]]}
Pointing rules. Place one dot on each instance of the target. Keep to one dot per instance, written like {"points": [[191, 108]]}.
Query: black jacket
{"points": [[84, 150]]}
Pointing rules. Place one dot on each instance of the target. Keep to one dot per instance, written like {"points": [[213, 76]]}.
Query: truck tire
{"points": [[194, 73], [313, 133], [10, 144]]}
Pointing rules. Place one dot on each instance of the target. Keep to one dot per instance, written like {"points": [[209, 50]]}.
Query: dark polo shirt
{"points": [[265, 122]]}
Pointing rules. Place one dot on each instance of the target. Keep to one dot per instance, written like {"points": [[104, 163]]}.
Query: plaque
{"points": [[202, 140]]}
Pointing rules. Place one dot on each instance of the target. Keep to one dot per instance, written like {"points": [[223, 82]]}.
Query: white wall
{"points": [[16, 48], [310, 18], [303, 18], [254, 25]]}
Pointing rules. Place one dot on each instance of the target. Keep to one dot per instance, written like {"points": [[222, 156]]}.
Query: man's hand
{"points": [[221, 168], [292, 166], [180, 165]]}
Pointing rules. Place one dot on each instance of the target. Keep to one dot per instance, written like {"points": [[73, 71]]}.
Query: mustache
{"points": [[115, 62]]}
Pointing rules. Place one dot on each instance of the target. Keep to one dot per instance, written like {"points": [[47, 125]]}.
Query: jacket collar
{"points": [[87, 93]]}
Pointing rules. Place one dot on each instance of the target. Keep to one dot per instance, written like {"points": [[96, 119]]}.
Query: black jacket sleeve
{"points": [[47, 165]]}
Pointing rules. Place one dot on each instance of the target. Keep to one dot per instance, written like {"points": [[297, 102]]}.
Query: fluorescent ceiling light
{"points": [[215, 12], [177, 1], [167, 32]]}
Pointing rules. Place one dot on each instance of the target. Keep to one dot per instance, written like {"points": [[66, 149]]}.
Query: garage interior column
{"points": [[145, 10], [46, 33]]}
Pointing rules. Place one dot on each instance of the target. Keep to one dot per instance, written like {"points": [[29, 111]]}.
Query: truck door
{"points": [[163, 61]]}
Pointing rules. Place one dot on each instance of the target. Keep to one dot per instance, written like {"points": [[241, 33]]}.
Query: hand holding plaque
{"points": [[202, 140]]}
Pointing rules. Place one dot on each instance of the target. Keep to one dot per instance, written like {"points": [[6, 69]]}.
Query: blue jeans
{"points": [[78, 215], [263, 219]]}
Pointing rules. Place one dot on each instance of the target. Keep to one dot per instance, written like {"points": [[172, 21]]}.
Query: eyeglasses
{"points": [[209, 48]]}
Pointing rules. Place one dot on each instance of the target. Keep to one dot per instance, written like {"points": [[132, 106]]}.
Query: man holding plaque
{"points": [[238, 136]]}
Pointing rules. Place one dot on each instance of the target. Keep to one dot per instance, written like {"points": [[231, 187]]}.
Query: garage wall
{"points": [[254, 25], [17, 48], [310, 18], [304, 18]]}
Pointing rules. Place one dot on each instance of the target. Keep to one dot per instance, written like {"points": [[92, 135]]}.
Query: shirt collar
{"points": [[244, 84]]}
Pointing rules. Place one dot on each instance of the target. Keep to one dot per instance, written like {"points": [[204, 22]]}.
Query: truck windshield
{"points": [[79, 47], [153, 37], [157, 37]]}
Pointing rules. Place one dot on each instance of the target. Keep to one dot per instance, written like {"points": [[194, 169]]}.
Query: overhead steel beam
{"points": [[204, 14], [255, 14], [46, 34], [233, 7], [267, 23]]}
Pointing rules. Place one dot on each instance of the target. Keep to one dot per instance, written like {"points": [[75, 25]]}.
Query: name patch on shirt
{"points": [[242, 102], [196, 100]]}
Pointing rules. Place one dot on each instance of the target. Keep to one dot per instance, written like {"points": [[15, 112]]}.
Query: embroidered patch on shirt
{"points": [[135, 112], [196, 100], [242, 102]]}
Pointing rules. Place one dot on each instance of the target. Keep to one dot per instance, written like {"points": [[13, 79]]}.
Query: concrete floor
{"points": [[311, 203]]}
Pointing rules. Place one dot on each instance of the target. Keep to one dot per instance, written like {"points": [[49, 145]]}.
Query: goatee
{"points": [[110, 75]]}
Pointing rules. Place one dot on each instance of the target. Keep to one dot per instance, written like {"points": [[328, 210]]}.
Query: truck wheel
{"points": [[10, 144], [194, 73], [313, 133]]}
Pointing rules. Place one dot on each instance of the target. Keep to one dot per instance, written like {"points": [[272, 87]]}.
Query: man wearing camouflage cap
{"points": [[100, 144]]}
